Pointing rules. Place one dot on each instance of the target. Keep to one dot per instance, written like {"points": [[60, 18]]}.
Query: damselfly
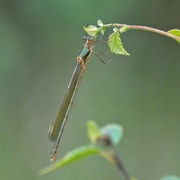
{"points": [[57, 126]]}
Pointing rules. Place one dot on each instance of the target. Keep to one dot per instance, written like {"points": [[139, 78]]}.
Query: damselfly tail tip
{"points": [[53, 156], [52, 159]]}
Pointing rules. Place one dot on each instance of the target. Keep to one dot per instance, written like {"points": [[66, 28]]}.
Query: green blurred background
{"points": [[39, 42]]}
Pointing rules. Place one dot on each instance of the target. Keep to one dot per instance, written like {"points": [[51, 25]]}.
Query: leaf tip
{"points": [[100, 23]]}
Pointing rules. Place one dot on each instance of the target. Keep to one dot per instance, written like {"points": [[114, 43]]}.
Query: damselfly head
{"points": [[88, 38]]}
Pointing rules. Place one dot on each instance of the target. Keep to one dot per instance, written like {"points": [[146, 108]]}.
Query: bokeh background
{"points": [[39, 42]]}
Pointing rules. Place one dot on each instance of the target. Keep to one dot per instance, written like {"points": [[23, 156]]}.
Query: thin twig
{"points": [[120, 164], [144, 28]]}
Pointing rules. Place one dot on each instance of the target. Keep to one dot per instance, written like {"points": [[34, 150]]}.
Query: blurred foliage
{"points": [[39, 42], [103, 142]]}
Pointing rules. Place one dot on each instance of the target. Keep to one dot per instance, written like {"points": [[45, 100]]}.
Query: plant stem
{"points": [[119, 164], [144, 28]]}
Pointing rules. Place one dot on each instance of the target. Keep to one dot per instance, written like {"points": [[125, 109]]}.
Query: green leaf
{"points": [[94, 132], [170, 177], [70, 157], [100, 23], [175, 32], [103, 30], [92, 30], [114, 131], [115, 29], [115, 44]]}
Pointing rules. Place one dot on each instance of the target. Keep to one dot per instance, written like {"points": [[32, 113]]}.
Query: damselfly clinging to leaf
{"points": [[61, 116]]}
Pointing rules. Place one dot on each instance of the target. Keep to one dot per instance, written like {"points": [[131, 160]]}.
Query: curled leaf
{"points": [[100, 23], [94, 132], [124, 29], [175, 32]]}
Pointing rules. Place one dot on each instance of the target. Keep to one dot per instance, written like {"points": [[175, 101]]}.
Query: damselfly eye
{"points": [[84, 38]]}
